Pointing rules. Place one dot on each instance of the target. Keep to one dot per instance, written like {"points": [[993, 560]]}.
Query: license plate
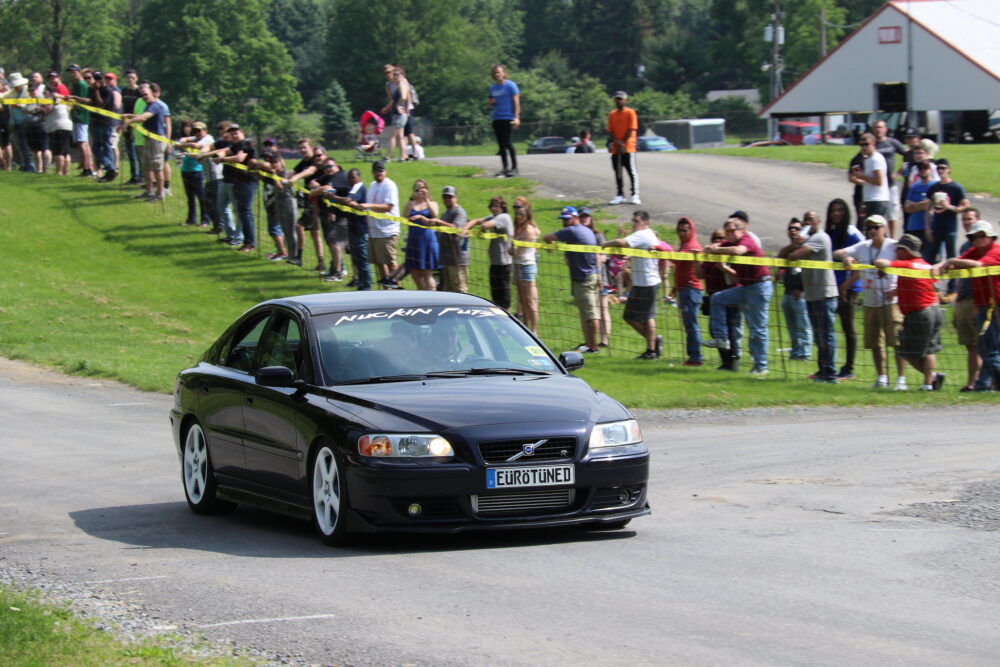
{"points": [[508, 478]]}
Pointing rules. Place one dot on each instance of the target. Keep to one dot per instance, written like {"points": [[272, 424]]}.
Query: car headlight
{"points": [[404, 445], [615, 434]]}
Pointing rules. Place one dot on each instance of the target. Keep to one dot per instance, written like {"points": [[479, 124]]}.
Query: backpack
{"points": [[414, 98]]}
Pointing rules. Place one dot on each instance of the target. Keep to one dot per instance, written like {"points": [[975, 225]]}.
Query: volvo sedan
{"points": [[405, 411]]}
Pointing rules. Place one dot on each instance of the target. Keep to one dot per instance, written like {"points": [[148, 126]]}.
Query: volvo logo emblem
{"points": [[527, 449]]}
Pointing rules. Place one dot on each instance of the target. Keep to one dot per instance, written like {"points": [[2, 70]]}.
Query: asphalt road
{"points": [[704, 187], [819, 537]]}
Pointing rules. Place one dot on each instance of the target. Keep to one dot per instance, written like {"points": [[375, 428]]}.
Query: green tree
{"points": [[42, 34], [217, 60], [657, 105], [298, 24], [339, 124]]}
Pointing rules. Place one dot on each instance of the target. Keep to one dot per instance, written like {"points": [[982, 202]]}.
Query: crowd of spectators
{"points": [[347, 218]]}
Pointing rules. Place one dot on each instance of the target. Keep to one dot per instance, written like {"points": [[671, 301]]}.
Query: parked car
{"points": [[405, 411], [548, 145], [654, 143]]}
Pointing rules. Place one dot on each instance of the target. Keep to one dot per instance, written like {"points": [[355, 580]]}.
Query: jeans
{"points": [[104, 146], [134, 167], [753, 300], [845, 311], [944, 242], [225, 205], [797, 321], [212, 200], [690, 304], [989, 349], [20, 139], [245, 192], [822, 313], [195, 191], [359, 256]]}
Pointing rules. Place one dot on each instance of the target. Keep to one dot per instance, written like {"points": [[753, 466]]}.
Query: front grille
{"points": [[522, 502], [499, 451]]}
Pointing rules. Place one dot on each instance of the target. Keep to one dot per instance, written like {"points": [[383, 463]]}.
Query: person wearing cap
{"points": [[917, 203], [382, 196], [357, 230], [820, 292], [130, 94], [34, 129], [948, 199], [882, 317], [453, 248], [688, 290], [963, 316], [583, 275], [985, 252], [505, 104], [59, 129], [241, 151], [640, 309], [155, 119], [55, 83], [920, 338], [752, 294], [604, 297], [18, 117], [909, 174], [80, 92], [193, 173], [744, 217], [499, 223], [793, 305], [872, 176], [623, 128], [104, 94]]}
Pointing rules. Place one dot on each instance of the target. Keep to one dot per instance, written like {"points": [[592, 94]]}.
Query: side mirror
{"points": [[275, 376], [571, 360]]}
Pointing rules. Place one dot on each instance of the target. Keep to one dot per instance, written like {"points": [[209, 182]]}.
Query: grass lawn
{"points": [[35, 632], [975, 166], [98, 284]]}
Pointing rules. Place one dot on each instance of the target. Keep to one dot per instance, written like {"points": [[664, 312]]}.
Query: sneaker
{"points": [[694, 363], [332, 278], [246, 247], [500, 174], [154, 198], [321, 266], [222, 239], [512, 173], [900, 385], [758, 372], [167, 192], [938, 381], [825, 380], [718, 343], [648, 354], [659, 346], [143, 195], [353, 283], [845, 374], [277, 256], [589, 350], [881, 383], [726, 367], [617, 200], [294, 261], [926, 387], [602, 345], [635, 200]]}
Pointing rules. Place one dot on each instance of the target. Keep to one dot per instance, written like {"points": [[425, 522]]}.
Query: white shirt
{"points": [[645, 270], [875, 283], [875, 162], [205, 144], [385, 192]]}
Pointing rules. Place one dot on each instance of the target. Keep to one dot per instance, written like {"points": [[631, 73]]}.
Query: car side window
{"points": [[283, 346], [239, 350]]}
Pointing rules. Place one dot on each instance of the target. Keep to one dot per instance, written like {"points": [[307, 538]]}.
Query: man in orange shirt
{"points": [[623, 126]]}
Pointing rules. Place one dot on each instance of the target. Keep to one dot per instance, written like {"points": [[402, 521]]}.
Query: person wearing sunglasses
{"points": [[872, 176]]}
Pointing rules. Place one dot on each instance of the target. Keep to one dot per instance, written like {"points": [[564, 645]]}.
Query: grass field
{"points": [[975, 166], [100, 285], [35, 633]]}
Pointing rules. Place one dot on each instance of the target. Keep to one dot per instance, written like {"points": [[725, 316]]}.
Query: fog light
{"points": [[623, 497], [415, 509]]}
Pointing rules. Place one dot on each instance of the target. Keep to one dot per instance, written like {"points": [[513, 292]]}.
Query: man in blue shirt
{"points": [[505, 98], [583, 275], [155, 119], [917, 203]]}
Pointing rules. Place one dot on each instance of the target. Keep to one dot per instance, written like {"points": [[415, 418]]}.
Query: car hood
{"points": [[439, 404]]}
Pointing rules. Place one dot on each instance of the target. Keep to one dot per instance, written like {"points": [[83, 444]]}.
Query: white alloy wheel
{"points": [[328, 497], [196, 465]]}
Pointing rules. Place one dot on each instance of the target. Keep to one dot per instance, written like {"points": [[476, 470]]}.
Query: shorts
{"points": [[455, 279], [878, 208], [307, 220], [964, 319], [152, 155], [641, 303], [335, 230], [895, 210], [60, 141], [500, 284], [383, 250], [526, 272], [882, 324], [81, 133], [586, 297], [399, 120], [36, 137], [4, 136], [921, 333], [408, 128]]}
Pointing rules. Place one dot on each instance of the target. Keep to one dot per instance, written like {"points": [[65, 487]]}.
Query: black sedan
{"points": [[402, 411], [548, 145]]}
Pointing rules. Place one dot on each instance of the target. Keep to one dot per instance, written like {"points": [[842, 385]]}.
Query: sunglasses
{"points": [[871, 227], [977, 235], [518, 206], [793, 228], [865, 143]]}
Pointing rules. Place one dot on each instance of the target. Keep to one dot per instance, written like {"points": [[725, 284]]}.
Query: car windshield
{"points": [[417, 343]]}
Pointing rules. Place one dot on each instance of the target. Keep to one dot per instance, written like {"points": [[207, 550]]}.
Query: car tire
{"points": [[198, 474], [329, 496]]}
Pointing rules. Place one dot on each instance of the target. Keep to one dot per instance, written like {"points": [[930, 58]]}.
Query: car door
{"points": [[273, 446], [221, 400]]}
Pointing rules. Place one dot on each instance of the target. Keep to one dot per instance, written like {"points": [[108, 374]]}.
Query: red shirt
{"points": [[684, 275], [914, 293], [985, 289], [749, 273]]}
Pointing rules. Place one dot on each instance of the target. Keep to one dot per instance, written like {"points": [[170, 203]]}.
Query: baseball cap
{"points": [[199, 125], [981, 226], [378, 166], [53, 74], [910, 243], [911, 132], [449, 190], [111, 75], [73, 68], [621, 93], [741, 215], [943, 162], [270, 142], [584, 211], [876, 220], [234, 126], [923, 165], [568, 212]]}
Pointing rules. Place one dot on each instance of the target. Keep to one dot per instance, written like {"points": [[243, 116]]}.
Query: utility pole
{"points": [[775, 33], [822, 31]]}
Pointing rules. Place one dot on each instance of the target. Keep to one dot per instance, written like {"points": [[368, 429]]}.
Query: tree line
{"points": [[264, 61]]}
